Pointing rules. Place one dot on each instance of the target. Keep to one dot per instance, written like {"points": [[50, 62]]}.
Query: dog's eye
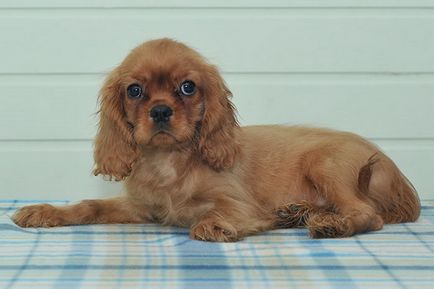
{"points": [[187, 88], [134, 91]]}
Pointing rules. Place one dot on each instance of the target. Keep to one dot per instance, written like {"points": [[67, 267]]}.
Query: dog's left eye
{"points": [[187, 88]]}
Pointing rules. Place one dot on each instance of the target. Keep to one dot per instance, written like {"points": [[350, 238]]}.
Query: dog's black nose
{"points": [[161, 113]]}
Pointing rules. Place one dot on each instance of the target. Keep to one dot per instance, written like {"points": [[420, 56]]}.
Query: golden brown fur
{"points": [[202, 171]]}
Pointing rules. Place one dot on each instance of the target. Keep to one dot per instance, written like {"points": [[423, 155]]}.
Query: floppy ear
{"points": [[115, 149], [217, 144]]}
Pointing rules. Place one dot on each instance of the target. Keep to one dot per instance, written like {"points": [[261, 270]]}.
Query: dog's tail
{"points": [[388, 190]]}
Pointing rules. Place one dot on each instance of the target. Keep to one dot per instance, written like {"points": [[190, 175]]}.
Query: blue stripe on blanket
{"points": [[197, 269]]}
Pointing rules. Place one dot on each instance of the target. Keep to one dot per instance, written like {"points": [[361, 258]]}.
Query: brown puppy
{"points": [[169, 131]]}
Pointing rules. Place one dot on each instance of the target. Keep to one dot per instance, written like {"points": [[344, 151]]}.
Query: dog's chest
{"points": [[169, 188], [155, 171], [164, 169], [162, 184]]}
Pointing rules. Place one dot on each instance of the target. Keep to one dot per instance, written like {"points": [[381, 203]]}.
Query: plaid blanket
{"points": [[152, 256]]}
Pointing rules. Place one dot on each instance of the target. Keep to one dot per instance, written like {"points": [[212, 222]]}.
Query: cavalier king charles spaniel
{"points": [[169, 131]]}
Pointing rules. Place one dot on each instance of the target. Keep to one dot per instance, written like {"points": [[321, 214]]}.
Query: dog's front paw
{"points": [[43, 215], [214, 231]]}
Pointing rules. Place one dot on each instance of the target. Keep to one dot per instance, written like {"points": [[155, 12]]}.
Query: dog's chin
{"points": [[162, 139]]}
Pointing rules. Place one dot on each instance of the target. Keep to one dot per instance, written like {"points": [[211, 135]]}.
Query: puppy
{"points": [[168, 130]]}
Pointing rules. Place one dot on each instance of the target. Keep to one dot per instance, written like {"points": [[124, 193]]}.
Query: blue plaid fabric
{"points": [[152, 256]]}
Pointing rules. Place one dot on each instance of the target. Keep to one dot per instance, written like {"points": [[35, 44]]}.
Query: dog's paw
{"points": [[293, 215], [43, 215], [214, 231], [323, 226]]}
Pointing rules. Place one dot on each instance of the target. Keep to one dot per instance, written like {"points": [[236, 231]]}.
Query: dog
{"points": [[169, 131]]}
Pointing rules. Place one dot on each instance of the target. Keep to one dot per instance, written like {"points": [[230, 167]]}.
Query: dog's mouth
{"points": [[162, 131], [162, 137]]}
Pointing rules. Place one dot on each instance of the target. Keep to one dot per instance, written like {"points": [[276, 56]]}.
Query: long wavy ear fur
{"points": [[218, 145], [115, 149]]}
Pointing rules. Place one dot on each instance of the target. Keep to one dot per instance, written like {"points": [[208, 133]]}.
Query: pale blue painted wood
{"points": [[239, 40], [359, 65], [374, 106]]}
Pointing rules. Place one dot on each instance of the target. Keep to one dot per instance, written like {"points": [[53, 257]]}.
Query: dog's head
{"points": [[164, 95]]}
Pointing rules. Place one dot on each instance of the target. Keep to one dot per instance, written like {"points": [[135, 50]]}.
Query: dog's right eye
{"points": [[134, 91]]}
